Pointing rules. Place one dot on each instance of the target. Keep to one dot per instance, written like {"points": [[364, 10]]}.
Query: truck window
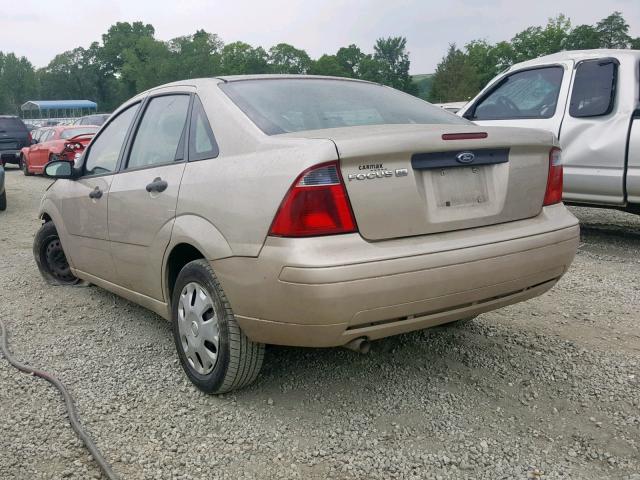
{"points": [[526, 94], [594, 88]]}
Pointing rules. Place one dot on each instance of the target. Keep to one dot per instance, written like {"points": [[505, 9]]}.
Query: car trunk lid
{"points": [[405, 180]]}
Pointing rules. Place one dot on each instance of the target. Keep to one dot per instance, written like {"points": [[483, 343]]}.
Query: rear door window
{"points": [[594, 88], [202, 143], [160, 135], [529, 94]]}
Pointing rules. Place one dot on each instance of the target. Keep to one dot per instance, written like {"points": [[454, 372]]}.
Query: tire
{"points": [[50, 257], [3, 201], [24, 167], [231, 363]]}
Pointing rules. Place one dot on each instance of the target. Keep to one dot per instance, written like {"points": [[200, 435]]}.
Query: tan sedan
{"points": [[303, 211]]}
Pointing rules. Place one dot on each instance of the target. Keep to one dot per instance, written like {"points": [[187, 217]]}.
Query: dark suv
{"points": [[13, 136]]}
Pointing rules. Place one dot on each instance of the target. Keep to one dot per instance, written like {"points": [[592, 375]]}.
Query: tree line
{"points": [[462, 73], [129, 59]]}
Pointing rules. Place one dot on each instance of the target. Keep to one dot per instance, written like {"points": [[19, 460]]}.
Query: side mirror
{"points": [[59, 169], [33, 141]]}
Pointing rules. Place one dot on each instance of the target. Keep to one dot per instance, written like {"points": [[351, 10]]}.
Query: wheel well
{"points": [[181, 254]]}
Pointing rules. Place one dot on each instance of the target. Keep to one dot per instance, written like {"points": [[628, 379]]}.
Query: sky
{"points": [[40, 29]]}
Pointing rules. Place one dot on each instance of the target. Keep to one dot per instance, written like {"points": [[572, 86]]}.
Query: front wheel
{"points": [[24, 166], [215, 354], [50, 257]]}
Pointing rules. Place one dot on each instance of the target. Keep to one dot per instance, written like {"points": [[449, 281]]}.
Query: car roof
{"points": [[576, 56], [205, 81]]}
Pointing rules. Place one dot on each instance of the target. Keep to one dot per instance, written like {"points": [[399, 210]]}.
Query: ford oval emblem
{"points": [[465, 157]]}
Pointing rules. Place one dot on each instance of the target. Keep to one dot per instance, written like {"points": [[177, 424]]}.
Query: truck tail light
{"points": [[316, 204], [554, 180]]}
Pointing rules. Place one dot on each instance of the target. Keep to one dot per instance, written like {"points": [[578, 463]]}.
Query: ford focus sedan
{"points": [[305, 211]]}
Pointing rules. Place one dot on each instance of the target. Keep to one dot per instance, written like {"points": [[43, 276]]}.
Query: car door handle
{"points": [[95, 193], [158, 185]]}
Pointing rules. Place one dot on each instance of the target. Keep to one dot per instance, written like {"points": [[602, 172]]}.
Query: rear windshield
{"points": [[12, 124], [295, 105], [73, 132]]}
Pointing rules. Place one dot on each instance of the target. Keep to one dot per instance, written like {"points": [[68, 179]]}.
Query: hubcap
{"points": [[198, 328], [57, 261]]}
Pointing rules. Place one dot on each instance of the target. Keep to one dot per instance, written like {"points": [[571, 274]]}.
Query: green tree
{"points": [[285, 58], [241, 58], [393, 60], [455, 79], [635, 43], [613, 31], [350, 58], [146, 64], [537, 41], [328, 65], [583, 37], [119, 38], [194, 56], [17, 82]]}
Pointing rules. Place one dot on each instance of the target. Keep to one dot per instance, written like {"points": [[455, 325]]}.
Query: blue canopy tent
{"points": [[40, 111]]}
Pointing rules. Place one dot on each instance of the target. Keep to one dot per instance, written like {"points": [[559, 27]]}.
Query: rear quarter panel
{"points": [[227, 203]]}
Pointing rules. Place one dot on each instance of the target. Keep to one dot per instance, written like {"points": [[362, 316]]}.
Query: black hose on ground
{"points": [[68, 400]]}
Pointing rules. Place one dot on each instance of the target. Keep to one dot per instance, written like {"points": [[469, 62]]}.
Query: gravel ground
{"points": [[545, 389]]}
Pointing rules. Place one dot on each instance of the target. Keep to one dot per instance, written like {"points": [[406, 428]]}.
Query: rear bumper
{"points": [[328, 291]]}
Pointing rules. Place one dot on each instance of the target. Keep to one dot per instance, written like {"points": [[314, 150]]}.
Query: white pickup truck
{"points": [[591, 101]]}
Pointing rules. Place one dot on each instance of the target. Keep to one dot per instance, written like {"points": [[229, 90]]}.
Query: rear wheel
{"points": [[51, 258], [215, 354]]}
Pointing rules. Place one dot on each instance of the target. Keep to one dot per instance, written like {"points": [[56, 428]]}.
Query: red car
{"points": [[56, 143]]}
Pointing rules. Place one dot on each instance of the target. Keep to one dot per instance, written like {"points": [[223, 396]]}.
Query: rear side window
{"points": [[594, 88], [527, 94], [104, 151], [12, 124], [202, 143], [159, 138]]}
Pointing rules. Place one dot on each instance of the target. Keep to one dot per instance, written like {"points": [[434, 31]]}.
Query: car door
{"points": [[143, 196], [594, 134], [533, 97], [84, 207], [36, 156]]}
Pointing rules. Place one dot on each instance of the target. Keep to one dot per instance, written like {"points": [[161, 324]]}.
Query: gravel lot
{"points": [[545, 389]]}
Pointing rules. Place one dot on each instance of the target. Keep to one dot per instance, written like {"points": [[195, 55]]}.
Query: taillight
{"points": [[29, 139], [316, 204], [554, 180]]}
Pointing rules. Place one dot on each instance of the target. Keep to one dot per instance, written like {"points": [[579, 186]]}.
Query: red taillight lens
{"points": [[554, 180], [316, 204]]}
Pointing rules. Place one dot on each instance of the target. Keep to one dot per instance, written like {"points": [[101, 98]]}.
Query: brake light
{"points": [[316, 204], [464, 136], [554, 180], [29, 138]]}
